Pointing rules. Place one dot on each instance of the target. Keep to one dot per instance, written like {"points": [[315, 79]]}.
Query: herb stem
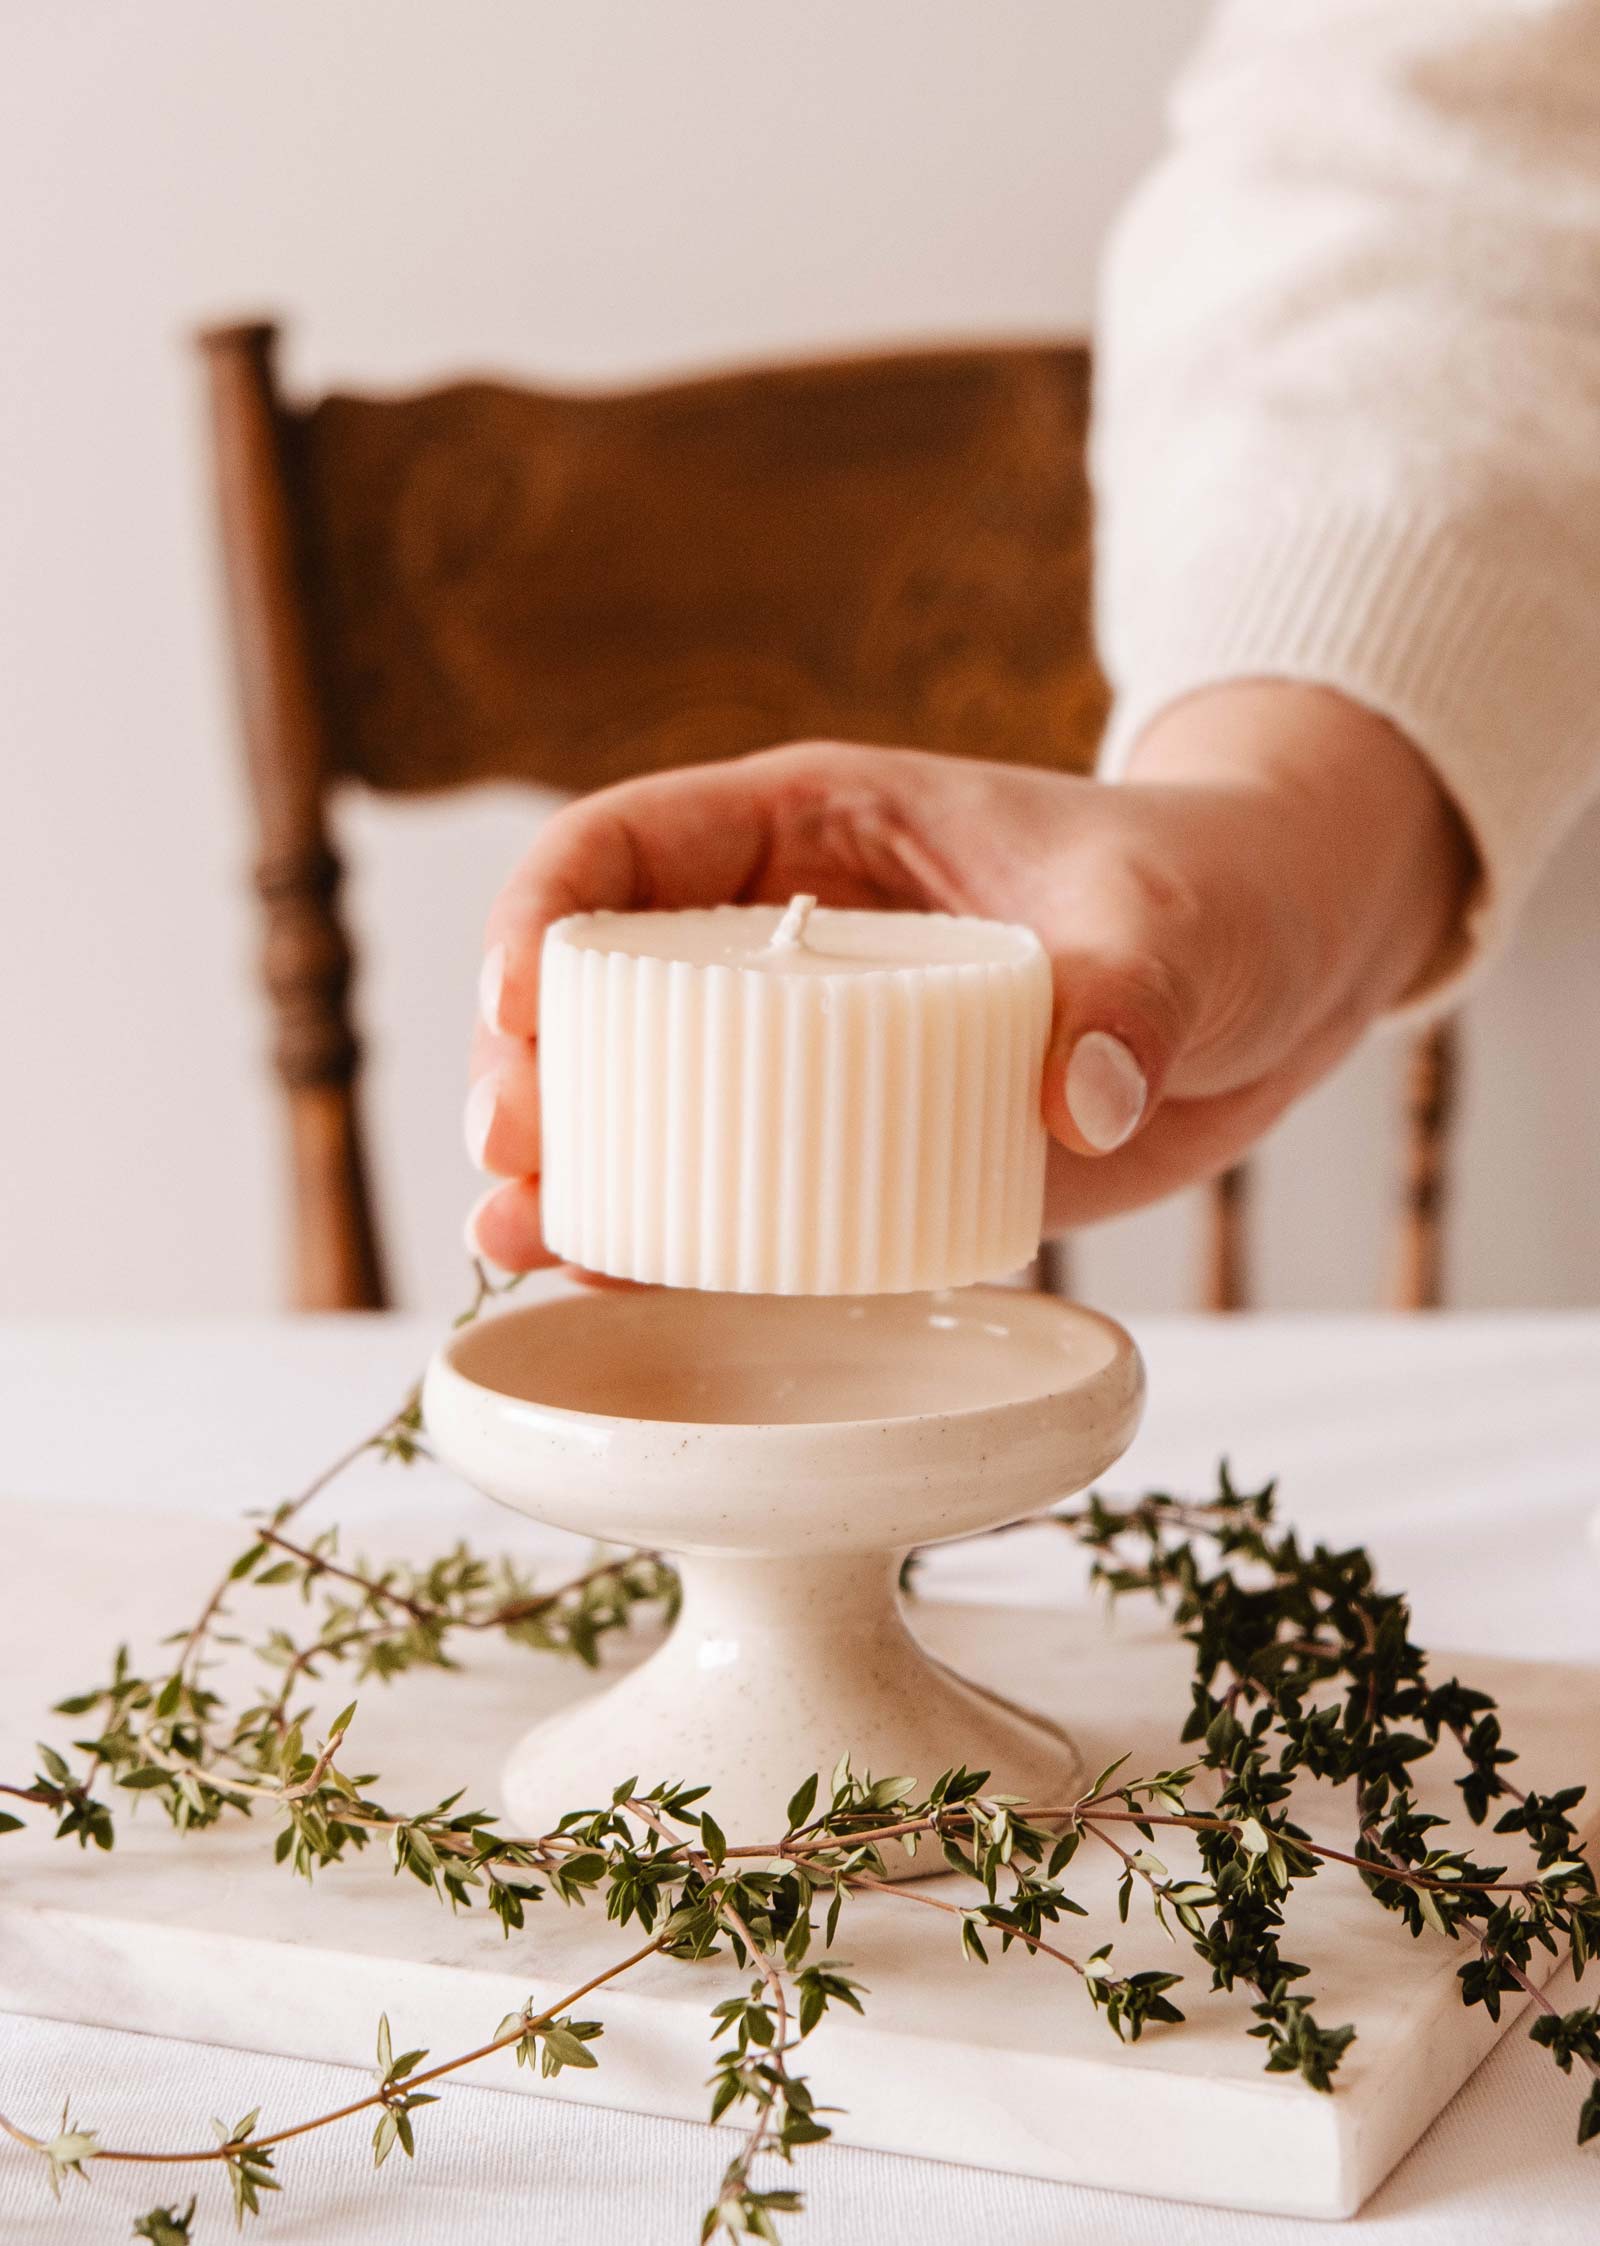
{"points": [[375, 1587], [906, 1894], [379, 2097]]}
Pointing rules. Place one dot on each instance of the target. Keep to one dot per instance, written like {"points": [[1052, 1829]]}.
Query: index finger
{"points": [[672, 839]]}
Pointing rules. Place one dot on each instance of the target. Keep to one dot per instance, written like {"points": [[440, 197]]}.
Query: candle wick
{"points": [[790, 933]]}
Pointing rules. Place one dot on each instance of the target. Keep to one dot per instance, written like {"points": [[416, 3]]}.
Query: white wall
{"points": [[573, 188]]}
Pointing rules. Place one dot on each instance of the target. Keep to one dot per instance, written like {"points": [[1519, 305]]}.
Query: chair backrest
{"points": [[487, 581]]}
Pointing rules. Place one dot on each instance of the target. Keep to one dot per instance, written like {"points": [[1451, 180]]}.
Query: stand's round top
{"points": [[666, 1415]]}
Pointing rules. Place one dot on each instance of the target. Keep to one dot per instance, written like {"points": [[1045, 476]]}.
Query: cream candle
{"points": [[800, 1101]]}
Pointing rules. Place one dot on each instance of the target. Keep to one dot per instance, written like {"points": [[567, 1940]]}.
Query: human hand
{"points": [[1277, 866]]}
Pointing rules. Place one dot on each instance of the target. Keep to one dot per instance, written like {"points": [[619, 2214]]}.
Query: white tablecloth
{"points": [[1466, 1452]]}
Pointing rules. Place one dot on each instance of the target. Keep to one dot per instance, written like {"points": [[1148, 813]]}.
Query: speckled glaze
{"points": [[787, 1451]]}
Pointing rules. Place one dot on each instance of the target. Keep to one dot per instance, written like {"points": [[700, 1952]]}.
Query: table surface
{"points": [[1464, 1451]]}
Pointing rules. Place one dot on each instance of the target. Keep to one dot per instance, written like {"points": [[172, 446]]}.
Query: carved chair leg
{"points": [[290, 760], [1052, 1269], [307, 966], [1226, 1272], [1430, 1114]]}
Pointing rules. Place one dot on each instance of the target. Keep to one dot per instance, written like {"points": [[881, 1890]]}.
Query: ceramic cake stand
{"points": [[787, 1452]]}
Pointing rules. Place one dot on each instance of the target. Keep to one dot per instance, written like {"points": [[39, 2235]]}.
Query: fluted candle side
{"points": [[856, 1111]]}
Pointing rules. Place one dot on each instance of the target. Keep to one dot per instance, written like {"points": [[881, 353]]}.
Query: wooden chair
{"points": [[495, 582]]}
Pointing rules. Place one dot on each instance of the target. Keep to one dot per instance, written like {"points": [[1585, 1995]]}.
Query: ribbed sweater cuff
{"points": [[1482, 662]]}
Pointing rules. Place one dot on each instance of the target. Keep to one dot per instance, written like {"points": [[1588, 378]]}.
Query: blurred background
{"points": [[565, 190]]}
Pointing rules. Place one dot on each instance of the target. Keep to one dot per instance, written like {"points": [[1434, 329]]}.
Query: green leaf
{"points": [[801, 1803], [1064, 1851], [562, 2047], [1589, 2117], [68, 2152], [1427, 1904], [1092, 1793], [166, 2226]]}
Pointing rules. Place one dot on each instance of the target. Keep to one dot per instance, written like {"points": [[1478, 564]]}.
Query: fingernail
{"points": [[478, 1118], [490, 980], [1106, 1090], [469, 1231]]}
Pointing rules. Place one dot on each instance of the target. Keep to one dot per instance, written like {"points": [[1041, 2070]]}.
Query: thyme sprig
{"points": [[1303, 1669]]}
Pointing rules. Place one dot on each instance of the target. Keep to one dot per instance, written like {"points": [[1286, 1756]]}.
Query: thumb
{"points": [[1123, 1019]]}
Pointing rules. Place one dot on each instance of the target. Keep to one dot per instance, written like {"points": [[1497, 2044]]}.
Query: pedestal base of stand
{"points": [[773, 1672]]}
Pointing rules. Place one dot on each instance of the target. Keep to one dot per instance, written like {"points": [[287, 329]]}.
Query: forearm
{"points": [[1349, 396]]}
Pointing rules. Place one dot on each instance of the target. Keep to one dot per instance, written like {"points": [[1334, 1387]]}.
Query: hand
{"points": [[1276, 868]]}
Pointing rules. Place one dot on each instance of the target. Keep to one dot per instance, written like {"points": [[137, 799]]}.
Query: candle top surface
{"points": [[803, 938]]}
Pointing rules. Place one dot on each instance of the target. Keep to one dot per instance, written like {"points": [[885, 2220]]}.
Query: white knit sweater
{"points": [[1348, 394]]}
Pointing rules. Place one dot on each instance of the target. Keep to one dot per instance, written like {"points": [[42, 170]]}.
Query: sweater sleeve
{"points": [[1348, 396]]}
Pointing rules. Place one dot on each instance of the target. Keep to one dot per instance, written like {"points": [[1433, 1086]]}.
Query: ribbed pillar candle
{"points": [[802, 1102]]}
